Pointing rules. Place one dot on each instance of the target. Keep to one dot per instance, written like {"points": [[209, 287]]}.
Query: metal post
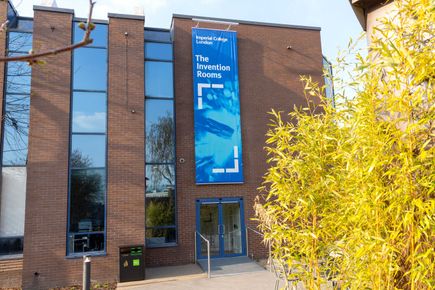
{"points": [[86, 273], [270, 256], [196, 258], [208, 260], [247, 241]]}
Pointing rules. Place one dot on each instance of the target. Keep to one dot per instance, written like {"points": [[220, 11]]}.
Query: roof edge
{"points": [[52, 9], [182, 16], [126, 16]]}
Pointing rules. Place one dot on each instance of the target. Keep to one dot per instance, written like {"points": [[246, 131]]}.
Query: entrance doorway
{"points": [[221, 221]]}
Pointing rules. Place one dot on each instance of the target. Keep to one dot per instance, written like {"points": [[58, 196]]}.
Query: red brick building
{"points": [[98, 145]]}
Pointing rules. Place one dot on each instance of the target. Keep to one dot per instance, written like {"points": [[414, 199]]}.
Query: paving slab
{"points": [[243, 281], [230, 266]]}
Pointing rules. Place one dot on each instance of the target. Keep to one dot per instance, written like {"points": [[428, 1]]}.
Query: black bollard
{"points": [[86, 273]]}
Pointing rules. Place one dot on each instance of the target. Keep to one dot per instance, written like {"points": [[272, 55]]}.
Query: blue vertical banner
{"points": [[218, 136]]}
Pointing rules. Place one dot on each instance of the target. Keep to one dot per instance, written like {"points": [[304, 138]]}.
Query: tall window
{"points": [[15, 134], [329, 82], [87, 194], [160, 201]]}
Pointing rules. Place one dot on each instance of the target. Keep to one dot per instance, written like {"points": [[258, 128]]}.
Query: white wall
{"points": [[12, 201], [374, 16]]}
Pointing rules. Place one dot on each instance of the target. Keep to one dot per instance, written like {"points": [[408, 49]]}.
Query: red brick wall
{"points": [[269, 78], [46, 212], [126, 179], [47, 181]]}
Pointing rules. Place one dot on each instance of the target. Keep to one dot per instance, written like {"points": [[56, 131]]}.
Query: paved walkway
{"points": [[246, 281], [238, 273], [231, 266]]}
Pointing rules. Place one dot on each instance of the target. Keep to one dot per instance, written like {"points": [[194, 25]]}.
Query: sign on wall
{"points": [[218, 137]]}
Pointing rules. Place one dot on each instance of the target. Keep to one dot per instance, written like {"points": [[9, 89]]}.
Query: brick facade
{"points": [[269, 78], [47, 179]]}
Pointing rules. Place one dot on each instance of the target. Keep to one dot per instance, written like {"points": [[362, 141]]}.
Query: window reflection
{"points": [[160, 142], [99, 34], [80, 243], [90, 69], [160, 195], [158, 79], [87, 200], [19, 42], [88, 144], [153, 35], [16, 129], [160, 236], [17, 102], [89, 112], [88, 151], [160, 178], [161, 51]]}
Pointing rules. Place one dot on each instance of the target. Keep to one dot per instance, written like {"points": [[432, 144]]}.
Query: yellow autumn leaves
{"points": [[350, 193]]}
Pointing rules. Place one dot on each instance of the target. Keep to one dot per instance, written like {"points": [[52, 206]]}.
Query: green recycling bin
{"points": [[131, 264]]}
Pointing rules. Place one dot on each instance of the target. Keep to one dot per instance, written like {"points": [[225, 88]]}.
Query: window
{"points": [[89, 112], [159, 79], [329, 81], [87, 193], [15, 138], [99, 35], [160, 193], [90, 69], [159, 133], [162, 51]]}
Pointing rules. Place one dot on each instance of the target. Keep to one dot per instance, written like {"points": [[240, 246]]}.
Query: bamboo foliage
{"points": [[350, 193]]}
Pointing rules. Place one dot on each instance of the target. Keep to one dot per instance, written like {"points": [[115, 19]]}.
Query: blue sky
{"points": [[335, 17]]}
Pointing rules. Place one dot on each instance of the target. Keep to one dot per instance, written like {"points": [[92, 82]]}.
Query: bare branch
{"points": [[4, 26], [32, 57]]}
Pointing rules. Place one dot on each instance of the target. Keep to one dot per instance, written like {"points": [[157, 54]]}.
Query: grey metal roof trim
{"points": [[247, 22]]}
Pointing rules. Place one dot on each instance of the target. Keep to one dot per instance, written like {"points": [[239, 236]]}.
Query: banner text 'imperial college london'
{"points": [[218, 136]]}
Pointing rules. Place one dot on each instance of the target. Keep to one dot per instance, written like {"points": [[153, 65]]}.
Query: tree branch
{"points": [[32, 57]]}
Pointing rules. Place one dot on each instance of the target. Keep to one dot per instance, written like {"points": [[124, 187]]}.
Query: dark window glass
{"points": [[25, 24], [89, 112], [158, 79], [19, 42], [161, 51], [16, 129], [11, 245], [99, 34], [12, 16], [88, 151], [80, 243], [160, 141], [90, 69], [87, 200], [160, 236], [163, 36]]}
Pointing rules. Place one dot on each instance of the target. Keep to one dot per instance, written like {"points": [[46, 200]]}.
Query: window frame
{"points": [[4, 102], [174, 163], [68, 253]]}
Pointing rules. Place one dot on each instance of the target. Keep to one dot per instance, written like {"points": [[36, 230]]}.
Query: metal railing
{"points": [[208, 252], [269, 258]]}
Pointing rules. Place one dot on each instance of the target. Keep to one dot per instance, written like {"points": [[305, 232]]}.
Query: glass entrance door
{"points": [[221, 222]]}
